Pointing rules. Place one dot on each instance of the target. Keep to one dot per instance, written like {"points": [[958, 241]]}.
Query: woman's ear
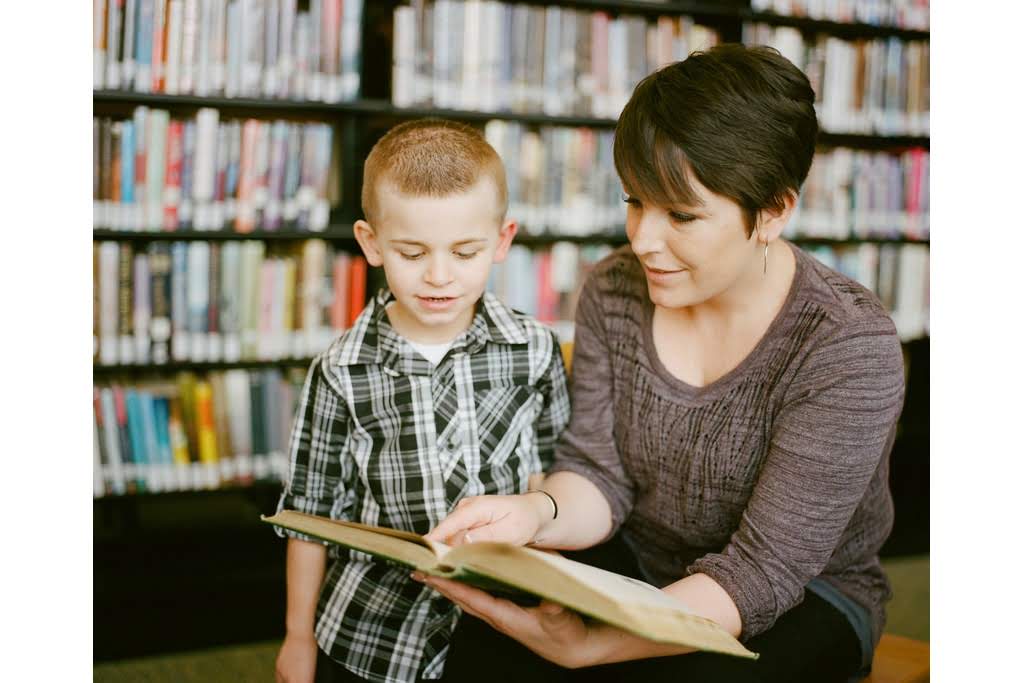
{"points": [[771, 222], [367, 239]]}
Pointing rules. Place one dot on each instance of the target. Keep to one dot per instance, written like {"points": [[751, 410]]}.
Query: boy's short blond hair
{"points": [[431, 158]]}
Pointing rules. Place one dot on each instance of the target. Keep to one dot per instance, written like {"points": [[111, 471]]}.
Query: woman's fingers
{"points": [[465, 516]]}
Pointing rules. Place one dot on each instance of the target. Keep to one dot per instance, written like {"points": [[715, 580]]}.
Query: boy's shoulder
{"points": [[512, 326]]}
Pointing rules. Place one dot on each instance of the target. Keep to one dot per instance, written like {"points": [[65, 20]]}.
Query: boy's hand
{"points": [[508, 519], [296, 662]]}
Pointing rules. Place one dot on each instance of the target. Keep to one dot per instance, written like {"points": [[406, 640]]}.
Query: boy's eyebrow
{"points": [[460, 243]]}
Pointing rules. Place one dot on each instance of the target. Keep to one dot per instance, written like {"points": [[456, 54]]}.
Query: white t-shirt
{"points": [[432, 352]]}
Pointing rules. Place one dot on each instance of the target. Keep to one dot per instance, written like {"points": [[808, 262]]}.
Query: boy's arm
{"points": [[554, 416], [306, 566]]}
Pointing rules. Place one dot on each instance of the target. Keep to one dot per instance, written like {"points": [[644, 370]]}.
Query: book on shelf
{"points": [[201, 301], [236, 48], [155, 173], [559, 61], [877, 86], [864, 195], [194, 431], [907, 14], [520, 571]]}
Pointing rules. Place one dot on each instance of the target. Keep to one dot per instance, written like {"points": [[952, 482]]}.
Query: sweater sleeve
{"points": [[587, 446], [836, 424]]}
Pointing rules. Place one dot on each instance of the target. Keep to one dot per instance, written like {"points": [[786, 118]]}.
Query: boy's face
{"points": [[436, 253]]}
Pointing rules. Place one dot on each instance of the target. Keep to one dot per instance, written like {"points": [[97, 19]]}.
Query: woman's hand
{"points": [[508, 519], [553, 632]]}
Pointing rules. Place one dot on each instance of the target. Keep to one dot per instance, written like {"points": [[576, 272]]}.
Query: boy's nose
{"points": [[439, 273]]}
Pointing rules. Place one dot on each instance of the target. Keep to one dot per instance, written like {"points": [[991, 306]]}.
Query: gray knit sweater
{"points": [[772, 475]]}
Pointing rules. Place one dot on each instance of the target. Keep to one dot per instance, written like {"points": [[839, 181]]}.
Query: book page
{"points": [[401, 546], [629, 604]]}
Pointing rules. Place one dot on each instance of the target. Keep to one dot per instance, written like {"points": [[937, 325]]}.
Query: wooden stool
{"points": [[900, 660]]}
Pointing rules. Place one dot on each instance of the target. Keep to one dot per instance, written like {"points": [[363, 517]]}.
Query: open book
{"points": [[502, 568]]}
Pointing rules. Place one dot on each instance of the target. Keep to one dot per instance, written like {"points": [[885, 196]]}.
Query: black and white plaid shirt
{"points": [[383, 437]]}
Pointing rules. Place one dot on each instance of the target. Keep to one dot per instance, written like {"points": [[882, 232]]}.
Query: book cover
{"points": [[356, 289], [172, 175], [180, 338], [189, 46], [505, 569], [130, 31], [198, 300], [155, 465], [221, 428], [172, 69], [112, 439], [159, 58], [141, 311], [236, 385], [165, 453], [214, 338], [230, 295], [137, 440], [205, 434], [186, 210]]}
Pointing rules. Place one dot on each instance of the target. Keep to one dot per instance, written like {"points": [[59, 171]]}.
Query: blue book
{"points": [[136, 437], [179, 301], [144, 46], [162, 412], [127, 166], [148, 420]]}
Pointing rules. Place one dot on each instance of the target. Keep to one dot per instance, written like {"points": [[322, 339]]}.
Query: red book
{"points": [[159, 56], [245, 217], [172, 177], [356, 289], [339, 303]]}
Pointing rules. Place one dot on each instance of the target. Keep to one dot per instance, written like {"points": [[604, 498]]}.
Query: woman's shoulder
{"points": [[846, 303]]}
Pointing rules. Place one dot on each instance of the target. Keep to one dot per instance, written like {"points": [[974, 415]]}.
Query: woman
{"points": [[734, 406]]}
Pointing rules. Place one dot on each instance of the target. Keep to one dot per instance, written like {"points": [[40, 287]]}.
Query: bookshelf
{"points": [[156, 520]]}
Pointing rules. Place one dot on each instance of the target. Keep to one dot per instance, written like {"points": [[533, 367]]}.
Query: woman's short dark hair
{"points": [[740, 119]]}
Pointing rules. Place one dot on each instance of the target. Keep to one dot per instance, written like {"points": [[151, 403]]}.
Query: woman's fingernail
{"points": [[417, 576], [468, 538]]}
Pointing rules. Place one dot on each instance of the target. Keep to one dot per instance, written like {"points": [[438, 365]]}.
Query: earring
{"points": [[765, 259]]}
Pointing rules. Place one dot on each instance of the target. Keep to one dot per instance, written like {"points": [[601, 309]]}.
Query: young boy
{"points": [[439, 391]]}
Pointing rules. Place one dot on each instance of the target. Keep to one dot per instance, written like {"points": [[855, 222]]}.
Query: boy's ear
{"points": [[505, 236], [367, 239], [771, 223]]}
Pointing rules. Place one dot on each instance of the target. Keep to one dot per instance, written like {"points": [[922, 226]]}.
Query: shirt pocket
{"points": [[504, 414]]}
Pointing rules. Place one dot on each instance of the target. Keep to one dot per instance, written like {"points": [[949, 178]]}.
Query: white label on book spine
{"points": [[197, 347], [126, 350], [179, 346], [232, 348], [214, 350]]}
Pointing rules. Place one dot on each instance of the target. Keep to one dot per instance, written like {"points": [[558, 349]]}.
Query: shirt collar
{"points": [[373, 340]]}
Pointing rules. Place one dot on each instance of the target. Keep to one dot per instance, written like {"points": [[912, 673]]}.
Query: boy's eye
{"points": [[411, 257], [466, 255], [678, 217]]}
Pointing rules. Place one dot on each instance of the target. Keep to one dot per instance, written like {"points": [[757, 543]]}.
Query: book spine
{"points": [[229, 296], [225, 452], [275, 189], [141, 308], [99, 43], [157, 122], [115, 13], [189, 44], [159, 255], [165, 457], [172, 175], [144, 46], [159, 59], [124, 305], [293, 169], [245, 220], [237, 387], [172, 70], [186, 209], [215, 346], [112, 441], [264, 348], [147, 419], [272, 10], [198, 275], [257, 425], [130, 30], [205, 434], [286, 49], [351, 49], [179, 443], [180, 338], [136, 437]]}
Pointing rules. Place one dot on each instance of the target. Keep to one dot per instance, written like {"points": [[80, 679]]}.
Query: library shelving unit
{"points": [[198, 566]]}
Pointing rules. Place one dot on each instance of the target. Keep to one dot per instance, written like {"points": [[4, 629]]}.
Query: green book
{"points": [[506, 569]]}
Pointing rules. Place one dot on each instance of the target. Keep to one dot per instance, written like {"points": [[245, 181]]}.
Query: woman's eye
{"points": [[466, 255], [681, 217]]}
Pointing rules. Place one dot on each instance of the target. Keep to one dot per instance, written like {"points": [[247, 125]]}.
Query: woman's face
{"points": [[692, 254]]}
